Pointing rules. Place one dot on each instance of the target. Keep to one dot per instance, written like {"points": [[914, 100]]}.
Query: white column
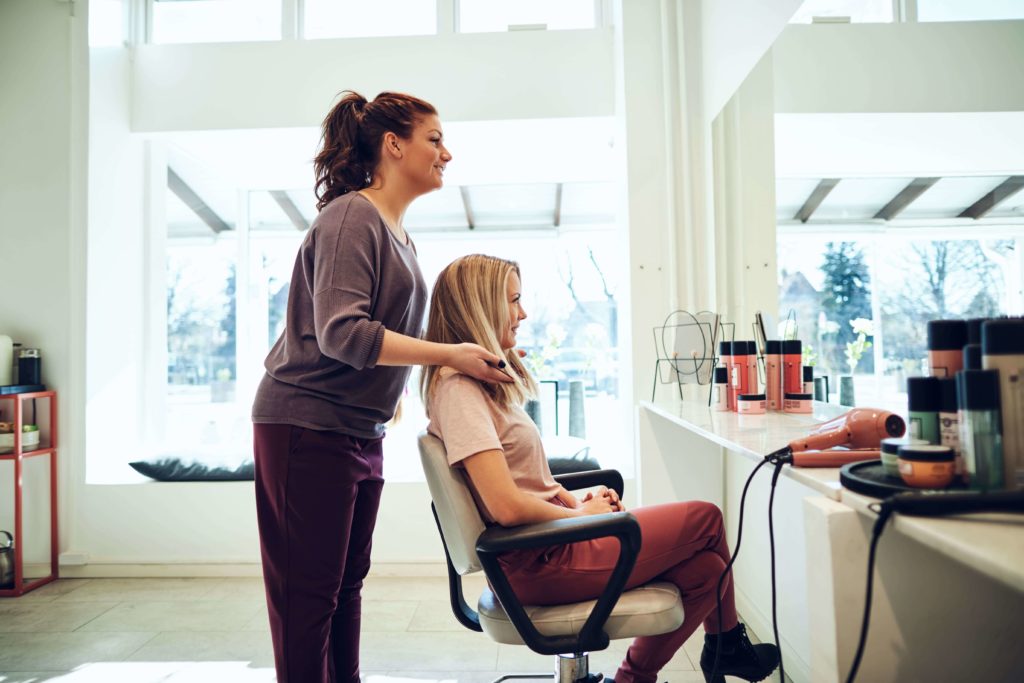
{"points": [[744, 196]]}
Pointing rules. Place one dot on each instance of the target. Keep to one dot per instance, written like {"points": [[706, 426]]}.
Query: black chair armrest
{"points": [[500, 539], [584, 480], [497, 540]]}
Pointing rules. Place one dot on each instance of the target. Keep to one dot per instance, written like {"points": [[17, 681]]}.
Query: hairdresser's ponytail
{"points": [[351, 139]]}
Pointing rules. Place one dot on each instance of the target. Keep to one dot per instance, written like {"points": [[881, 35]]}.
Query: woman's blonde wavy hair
{"points": [[469, 304]]}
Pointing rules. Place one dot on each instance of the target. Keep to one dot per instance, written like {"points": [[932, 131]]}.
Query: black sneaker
{"points": [[739, 657]]}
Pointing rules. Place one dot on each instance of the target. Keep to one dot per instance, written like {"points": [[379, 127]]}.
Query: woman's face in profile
{"points": [[425, 155], [516, 313]]}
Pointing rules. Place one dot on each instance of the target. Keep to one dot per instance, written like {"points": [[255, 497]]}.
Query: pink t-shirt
{"points": [[468, 421]]}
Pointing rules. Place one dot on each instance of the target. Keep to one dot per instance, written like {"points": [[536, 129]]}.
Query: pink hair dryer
{"points": [[851, 437]]}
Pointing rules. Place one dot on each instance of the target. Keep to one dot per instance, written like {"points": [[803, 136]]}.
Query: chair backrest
{"points": [[461, 524]]}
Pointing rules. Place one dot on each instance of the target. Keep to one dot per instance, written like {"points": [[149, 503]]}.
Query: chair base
{"points": [[568, 669]]}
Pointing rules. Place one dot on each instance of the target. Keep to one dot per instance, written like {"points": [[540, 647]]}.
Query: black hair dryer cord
{"points": [[771, 546], [728, 568], [926, 504]]}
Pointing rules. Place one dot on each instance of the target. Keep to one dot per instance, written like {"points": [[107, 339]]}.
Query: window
{"points": [[896, 283], [572, 293], [354, 18], [231, 251], [480, 16], [211, 21], [976, 10], [106, 23], [859, 11]]}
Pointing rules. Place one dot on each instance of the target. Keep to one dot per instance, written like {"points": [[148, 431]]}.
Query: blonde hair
{"points": [[469, 304]]}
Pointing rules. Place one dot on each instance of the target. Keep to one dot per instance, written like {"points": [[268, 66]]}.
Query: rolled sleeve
{"points": [[343, 333], [345, 286]]}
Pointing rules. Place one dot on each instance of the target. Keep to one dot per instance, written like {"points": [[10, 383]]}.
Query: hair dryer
{"points": [[859, 433]]}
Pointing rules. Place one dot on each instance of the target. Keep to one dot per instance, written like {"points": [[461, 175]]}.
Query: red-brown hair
{"points": [[351, 139]]}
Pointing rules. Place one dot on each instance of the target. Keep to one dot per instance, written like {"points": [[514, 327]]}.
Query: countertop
{"points": [[754, 436]]}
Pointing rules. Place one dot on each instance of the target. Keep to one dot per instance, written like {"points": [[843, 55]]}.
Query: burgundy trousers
{"points": [[683, 543], [317, 494]]}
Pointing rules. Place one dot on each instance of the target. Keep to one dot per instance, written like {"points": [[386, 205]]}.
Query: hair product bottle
{"points": [[980, 435], [972, 357], [792, 364], [720, 399], [808, 379], [1002, 349], [725, 359], [949, 419], [946, 341], [923, 408], [753, 381], [773, 374], [739, 378]]}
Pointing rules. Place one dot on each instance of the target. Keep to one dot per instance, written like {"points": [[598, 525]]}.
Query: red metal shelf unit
{"points": [[14, 405]]}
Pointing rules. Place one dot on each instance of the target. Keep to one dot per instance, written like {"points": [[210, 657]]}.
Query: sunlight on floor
{"points": [[151, 672]]}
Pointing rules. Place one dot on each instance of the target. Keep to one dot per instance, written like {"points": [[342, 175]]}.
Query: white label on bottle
{"points": [[949, 435]]}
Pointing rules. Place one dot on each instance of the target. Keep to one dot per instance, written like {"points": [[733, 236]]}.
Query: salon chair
{"points": [[568, 631]]}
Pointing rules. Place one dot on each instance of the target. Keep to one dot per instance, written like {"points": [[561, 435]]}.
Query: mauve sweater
{"points": [[352, 280]]}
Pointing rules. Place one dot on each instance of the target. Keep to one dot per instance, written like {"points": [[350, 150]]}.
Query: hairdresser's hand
{"points": [[478, 362]]}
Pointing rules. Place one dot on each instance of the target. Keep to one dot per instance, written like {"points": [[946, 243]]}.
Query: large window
{"points": [[231, 250], [207, 21], [357, 18], [860, 11], [861, 293], [106, 23], [975, 10], [477, 16]]}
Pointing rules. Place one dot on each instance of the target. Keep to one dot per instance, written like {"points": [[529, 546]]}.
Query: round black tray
{"points": [[870, 478]]}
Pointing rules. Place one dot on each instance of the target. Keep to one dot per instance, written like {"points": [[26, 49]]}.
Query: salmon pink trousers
{"points": [[683, 543]]}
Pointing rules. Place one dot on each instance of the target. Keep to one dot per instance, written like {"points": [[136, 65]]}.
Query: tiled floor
{"points": [[215, 630]]}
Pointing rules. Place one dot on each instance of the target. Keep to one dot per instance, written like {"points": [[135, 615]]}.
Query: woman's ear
{"points": [[392, 145]]}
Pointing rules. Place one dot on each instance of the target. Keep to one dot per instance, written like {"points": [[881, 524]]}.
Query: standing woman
{"points": [[335, 376]]}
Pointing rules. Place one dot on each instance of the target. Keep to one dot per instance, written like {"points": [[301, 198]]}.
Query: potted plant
{"points": [[863, 328]]}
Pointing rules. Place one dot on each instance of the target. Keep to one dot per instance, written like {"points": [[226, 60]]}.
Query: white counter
{"points": [[754, 436], [932, 618], [990, 543]]}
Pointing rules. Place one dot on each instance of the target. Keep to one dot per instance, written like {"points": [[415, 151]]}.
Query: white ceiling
{"points": [[510, 167]]}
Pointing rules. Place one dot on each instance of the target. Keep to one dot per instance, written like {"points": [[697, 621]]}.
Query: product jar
{"points": [[798, 403], [890, 449], [928, 466], [751, 404]]}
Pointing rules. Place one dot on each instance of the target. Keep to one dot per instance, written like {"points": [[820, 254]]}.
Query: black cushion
{"points": [[166, 468], [581, 462]]}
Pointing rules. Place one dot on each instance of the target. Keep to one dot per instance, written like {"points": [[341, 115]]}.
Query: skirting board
{"points": [[107, 571]]}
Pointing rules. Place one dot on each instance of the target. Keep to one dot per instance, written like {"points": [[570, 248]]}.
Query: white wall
{"points": [[746, 273], [522, 74], [42, 207], [735, 35], [158, 89], [906, 145], [647, 72], [932, 67]]}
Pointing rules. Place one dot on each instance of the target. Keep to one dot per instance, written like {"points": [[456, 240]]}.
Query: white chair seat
{"points": [[644, 611]]}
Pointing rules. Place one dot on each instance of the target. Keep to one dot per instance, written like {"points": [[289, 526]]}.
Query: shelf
{"points": [[28, 454], [13, 408], [28, 585]]}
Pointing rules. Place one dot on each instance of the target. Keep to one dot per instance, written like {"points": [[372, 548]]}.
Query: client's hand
{"points": [[610, 498], [596, 505]]}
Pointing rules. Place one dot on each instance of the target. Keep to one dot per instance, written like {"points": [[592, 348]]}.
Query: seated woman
{"points": [[485, 430]]}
